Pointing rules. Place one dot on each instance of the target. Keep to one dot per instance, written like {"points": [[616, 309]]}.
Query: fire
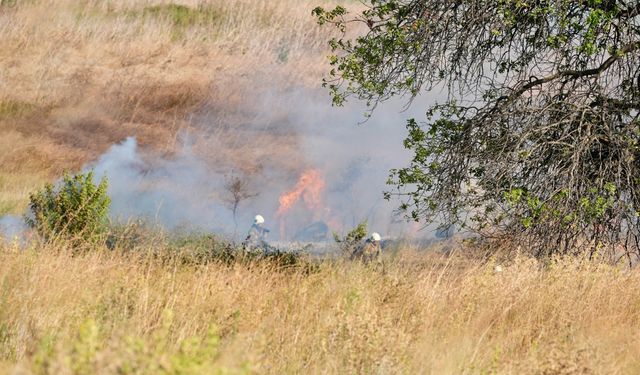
{"points": [[309, 188]]}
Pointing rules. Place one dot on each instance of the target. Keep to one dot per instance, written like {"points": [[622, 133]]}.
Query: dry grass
{"points": [[109, 313], [53, 51], [15, 190], [77, 76]]}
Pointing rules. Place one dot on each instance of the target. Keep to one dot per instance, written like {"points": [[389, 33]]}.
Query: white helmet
{"points": [[258, 219], [375, 237]]}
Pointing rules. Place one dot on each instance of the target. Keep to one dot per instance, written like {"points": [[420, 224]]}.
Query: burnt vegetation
{"points": [[538, 136]]}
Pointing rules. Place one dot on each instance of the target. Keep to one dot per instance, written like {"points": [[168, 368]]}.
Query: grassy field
{"points": [[112, 313], [78, 76]]}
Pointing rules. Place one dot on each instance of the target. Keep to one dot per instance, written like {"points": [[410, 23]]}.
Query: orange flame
{"points": [[309, 188]]}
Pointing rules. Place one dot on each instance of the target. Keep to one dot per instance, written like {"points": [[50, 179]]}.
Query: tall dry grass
{"points": [[78, 76], [52, 50], [109, 313]]}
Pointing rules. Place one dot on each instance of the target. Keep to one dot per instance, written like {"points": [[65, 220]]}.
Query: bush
{"points": [[348, 243], [199, 248], [202, 248], [77, 208]]}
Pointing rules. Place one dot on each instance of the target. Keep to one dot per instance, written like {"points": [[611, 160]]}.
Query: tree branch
{"points": [[573, 74], [632, 11]]}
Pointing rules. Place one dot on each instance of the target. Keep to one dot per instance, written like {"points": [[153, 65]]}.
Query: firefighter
{"points": [[370, 251], [256, 238]]}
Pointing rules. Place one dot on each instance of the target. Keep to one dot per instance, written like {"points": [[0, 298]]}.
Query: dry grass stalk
{"points": [[110, 313], [78, 76]]}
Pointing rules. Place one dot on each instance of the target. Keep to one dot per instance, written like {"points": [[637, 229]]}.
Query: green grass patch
{"points": [[15, 108], [179, 17], [198, 248], [182, 16], [8, 3], [7, 207]]}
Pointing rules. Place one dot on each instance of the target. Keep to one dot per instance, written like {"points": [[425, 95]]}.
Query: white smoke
{"points": [[354, 153], [357, 158], [172, 193], [185, 191], [12, 229], [188, 191]]}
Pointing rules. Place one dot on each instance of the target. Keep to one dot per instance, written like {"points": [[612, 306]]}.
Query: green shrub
{"points": [[199, 248], [202, 248], [76, 209], [348, 243], [135, 234]]}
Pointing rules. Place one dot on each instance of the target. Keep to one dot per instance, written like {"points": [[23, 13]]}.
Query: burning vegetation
{"points": [[309, 189], [308, 195], [204, 115]]}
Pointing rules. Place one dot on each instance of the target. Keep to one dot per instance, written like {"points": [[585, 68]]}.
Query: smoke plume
{"points": [[12, 228], [188, 190], [352, 157]]}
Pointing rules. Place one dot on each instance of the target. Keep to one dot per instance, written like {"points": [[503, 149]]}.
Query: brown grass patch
{"points": [[80, 76], [109, 313]]}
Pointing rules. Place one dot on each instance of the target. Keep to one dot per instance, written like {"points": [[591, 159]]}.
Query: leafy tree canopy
{"points": [[538, 136]]}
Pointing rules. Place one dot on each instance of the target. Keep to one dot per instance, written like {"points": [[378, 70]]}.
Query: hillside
{"points": [[202, 114], [79, 76]]}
